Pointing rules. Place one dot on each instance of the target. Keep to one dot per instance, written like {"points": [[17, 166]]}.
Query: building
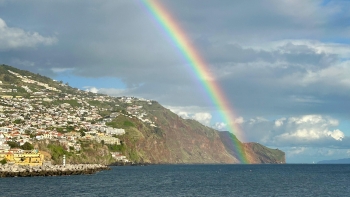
{"points": [[21, 157], [108, 140]]}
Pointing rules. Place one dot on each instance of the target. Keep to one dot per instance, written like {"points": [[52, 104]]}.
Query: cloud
{"points": [[313, 154], [296, 151], [202, 117], [61, 70], [336, 134], [16, 38], [193, 112], [267, 59], [91, 89], [18, 62], [279, 122], [239, 120], [221, 126], [109, 91], [303, 131]]}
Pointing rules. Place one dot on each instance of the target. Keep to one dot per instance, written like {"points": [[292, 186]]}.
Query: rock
{"points": [[28, 171]]}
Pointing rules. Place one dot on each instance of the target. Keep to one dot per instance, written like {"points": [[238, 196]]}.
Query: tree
{"points": [[82, 133], [3, 161], [13, 144], [27, 146]]}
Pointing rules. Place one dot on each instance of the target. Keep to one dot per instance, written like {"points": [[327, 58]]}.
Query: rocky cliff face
{"points": [[255, 152], [177, 140]]}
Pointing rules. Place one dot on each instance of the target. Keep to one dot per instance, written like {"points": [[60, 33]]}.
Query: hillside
{"points": [[87, 127]]}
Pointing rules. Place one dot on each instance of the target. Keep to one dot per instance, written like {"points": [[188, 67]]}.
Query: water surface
{"points": [[191, 180]]}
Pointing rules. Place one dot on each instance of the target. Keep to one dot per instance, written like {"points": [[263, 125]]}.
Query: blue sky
{"points": [[284, 65]]}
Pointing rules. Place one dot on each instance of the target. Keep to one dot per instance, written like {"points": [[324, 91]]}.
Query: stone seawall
{"points": [[52, 170]]}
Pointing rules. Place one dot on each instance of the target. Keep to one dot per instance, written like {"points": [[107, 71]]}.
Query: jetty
{"points": [[8, 170]]}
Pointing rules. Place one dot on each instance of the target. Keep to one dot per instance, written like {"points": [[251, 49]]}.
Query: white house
{"points": [[5, 129]]}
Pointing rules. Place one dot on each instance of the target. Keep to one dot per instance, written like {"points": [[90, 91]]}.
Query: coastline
{"points": [[51, 170], [130, 164]]}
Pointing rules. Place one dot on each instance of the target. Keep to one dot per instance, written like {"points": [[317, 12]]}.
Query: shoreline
{"points": [[52, 170], [130, 164]]}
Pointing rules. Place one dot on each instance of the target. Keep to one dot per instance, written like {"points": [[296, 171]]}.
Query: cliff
{"points": [[177, 140]]}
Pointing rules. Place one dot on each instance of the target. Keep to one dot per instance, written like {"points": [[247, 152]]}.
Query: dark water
{"points": [[191, 180]]}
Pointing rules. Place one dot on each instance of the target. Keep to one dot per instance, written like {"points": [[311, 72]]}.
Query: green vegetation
{"points": [[57, 152], [268, 152], [99, 104], [121, 122], [27, 146], [128, 124], [3, 161], [66, 129], [117, 148], [134, 156], [158, 131], [104, 113], [73, 103], [18, 121], [112, 124], [13, 144]]}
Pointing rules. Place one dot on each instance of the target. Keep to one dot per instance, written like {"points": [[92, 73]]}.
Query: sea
{"points": [[191, 180]]}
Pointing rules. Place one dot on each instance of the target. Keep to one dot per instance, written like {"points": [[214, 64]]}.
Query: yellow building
{"points": [[31, 158]]}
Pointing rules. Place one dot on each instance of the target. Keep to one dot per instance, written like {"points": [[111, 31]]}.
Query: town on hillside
{"points": [[47, 114]]}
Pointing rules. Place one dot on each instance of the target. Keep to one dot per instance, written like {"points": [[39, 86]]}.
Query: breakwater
{"points": [[50, 170], [129, 164]]}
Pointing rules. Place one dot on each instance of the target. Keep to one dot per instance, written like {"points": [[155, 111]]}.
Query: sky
{"points": [[284, 65]]}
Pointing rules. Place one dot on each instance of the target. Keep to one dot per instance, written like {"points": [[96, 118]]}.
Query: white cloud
{"points": [[115, 92], [192, 112], [279, 122], [314, 154], [239, 120], [296, 151], [257, 120], [91, 89], [307, 130], [183, 114], [336, 134], [15, 38], [203, 117], [220, 126]]}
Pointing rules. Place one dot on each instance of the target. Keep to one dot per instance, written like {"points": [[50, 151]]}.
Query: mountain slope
{"points": [[153, 133], [178, 140]]}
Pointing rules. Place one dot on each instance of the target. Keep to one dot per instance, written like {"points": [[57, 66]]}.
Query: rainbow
{"points": [[198, 66]]}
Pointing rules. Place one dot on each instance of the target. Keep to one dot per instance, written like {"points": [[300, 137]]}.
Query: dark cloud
{"points": [[121, 39]]}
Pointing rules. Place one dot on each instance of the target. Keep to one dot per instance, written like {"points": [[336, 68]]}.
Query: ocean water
{"points": [[191, 180]]}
